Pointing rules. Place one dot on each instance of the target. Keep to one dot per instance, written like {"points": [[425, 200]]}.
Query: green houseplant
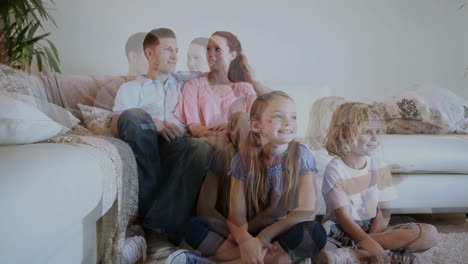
{"points": [[21, 45]]}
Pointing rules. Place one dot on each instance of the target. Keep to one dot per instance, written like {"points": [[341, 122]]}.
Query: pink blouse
{"points": [[201, 105]]}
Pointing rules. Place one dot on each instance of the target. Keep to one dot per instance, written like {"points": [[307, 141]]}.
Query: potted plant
{"points": [[21, 43]]}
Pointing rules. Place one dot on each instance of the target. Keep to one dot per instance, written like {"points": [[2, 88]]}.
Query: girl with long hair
{"points": [[272, 199]]}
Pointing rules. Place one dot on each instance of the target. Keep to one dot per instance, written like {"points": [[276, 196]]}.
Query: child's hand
{"points": [[266, 241], [371, 246], [252, 251]]}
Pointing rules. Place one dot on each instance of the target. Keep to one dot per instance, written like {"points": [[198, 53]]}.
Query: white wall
{"points": [[359, 48]]}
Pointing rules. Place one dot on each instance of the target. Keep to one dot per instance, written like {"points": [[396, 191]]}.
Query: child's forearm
{"points": [[266, 217], [286, 223], [210, 212], [353, 230], [238, 232]]}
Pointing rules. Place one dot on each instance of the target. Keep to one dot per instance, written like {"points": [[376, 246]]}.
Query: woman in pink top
{"points": [[208, 101]]}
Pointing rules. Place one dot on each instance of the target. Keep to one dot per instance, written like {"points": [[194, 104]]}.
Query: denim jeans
{"points": [[170, 174]]}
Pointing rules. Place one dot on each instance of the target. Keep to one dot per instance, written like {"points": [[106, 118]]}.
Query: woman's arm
{"points": [[200, 131], [206, 205], [304, 212]]}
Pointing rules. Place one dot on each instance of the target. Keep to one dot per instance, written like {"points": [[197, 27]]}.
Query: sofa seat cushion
{"points": [[430, 193], [426, 153]]}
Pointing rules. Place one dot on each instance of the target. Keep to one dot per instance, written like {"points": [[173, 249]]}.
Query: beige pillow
{"points": [[23, 123], [409, 127], [55, 112], [96, 119], [437, 107]]}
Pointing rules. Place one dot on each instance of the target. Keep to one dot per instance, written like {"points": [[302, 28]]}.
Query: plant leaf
{"points": [[36, 39], [39, 61], [19, 24], [54, 50], [51, 59]]}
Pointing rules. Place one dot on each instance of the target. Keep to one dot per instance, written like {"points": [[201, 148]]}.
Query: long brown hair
{"points": [[257, 198], [239, 69]]}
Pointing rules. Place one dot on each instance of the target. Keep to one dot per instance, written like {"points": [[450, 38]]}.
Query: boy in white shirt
{"points": [[357, 189]]}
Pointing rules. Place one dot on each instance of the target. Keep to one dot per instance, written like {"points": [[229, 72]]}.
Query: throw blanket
{"points": [[120, 191]]}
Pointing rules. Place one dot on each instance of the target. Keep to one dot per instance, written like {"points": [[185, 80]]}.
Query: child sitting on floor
{"points": [[357, 189]]}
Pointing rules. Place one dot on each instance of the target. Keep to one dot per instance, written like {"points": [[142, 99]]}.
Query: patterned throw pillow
{"points": [[427, 110], [96, 119], [14, 81], [408, 127]]}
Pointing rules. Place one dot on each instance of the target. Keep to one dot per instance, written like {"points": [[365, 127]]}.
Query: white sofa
{"points": [[430, 172], [50, 195], [68, 200]]}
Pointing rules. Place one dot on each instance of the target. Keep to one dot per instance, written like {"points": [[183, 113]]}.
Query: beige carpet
{"points": [[451, 249]]}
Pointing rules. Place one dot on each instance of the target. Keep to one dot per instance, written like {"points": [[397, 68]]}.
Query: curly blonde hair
{"points": [[347, 124]]}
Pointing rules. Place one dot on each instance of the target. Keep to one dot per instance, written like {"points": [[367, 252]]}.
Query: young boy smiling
{"points": [[357, 189]]}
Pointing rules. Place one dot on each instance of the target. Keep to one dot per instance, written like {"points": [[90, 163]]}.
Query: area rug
{"points": [[451, 249]]}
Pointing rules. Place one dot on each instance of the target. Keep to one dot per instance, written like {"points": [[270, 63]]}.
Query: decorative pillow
{"points": [[433, 106], [408, 127], [55, 112], [23, 123], [96, 119], [14, 81]]}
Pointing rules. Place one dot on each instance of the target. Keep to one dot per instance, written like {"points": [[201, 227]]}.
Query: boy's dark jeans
{"points": [[170, 174]]}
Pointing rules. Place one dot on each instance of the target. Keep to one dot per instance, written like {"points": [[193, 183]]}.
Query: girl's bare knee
{"points": [[428, 238]]}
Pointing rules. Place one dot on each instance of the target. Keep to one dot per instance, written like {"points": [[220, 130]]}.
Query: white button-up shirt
{"points": [[158, 99]]}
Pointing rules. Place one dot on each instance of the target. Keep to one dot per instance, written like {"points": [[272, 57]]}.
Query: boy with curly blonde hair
{"points": [[357, 189]]}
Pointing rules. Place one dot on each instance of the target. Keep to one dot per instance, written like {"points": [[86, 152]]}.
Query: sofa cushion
{"points": [[22, 123], [426, 153], [68, 90], [433, 106], [96, 119], [14, 81]]}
